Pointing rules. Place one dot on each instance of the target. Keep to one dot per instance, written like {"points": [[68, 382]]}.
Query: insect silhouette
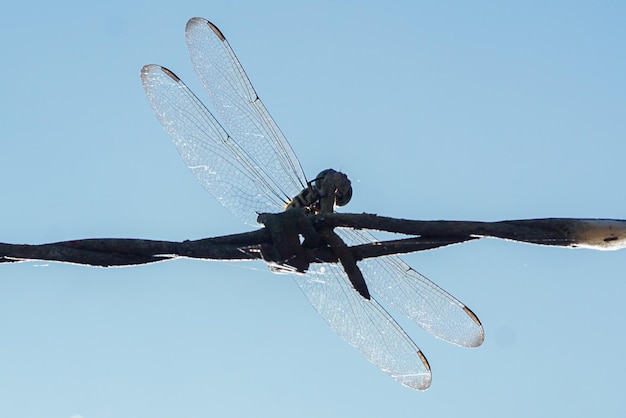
{"points": [[246, 163]]}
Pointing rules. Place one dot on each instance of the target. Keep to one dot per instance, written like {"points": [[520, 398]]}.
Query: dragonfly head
{"points": [[338, 181]]}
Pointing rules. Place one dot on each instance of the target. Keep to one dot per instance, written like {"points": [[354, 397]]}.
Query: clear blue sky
{"points": [[436, 111]]}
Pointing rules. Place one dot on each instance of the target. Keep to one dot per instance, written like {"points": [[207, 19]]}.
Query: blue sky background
{"points": [[444, 110]]}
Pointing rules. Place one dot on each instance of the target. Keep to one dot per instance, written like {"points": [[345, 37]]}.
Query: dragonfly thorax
{"points": [[329, 188]]}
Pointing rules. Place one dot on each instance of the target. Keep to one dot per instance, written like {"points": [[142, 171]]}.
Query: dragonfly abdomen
{"points": [[305, 199]]}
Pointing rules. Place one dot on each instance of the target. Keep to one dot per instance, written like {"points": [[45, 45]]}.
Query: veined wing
{"points": [[255, 170], [365, 325], [416, 297], [228, 173], [240, 109], [236, 178]]}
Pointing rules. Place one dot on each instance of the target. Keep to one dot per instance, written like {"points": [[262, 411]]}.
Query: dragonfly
{"points": [[246, 163]]}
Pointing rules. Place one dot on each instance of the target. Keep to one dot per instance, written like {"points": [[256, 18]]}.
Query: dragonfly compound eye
{"points": [[322, 175], [339, 183]]}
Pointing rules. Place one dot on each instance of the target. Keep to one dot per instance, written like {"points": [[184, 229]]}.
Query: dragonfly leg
{"points": [[347, 260], [287, 252], [285, 229]]}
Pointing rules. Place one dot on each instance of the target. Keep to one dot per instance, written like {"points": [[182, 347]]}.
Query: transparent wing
{"points": [[365, 325], [419, 299], [243, 113], [229, 174], [255, 170], [240, 109], [237, 179]]}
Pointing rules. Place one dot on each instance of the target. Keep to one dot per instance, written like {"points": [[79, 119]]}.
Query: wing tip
{"points": [[417, 381], [148, 69], [201, 21], [170, 74], [423, 359], [473, 316], [481, 336], [217, 32]]}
